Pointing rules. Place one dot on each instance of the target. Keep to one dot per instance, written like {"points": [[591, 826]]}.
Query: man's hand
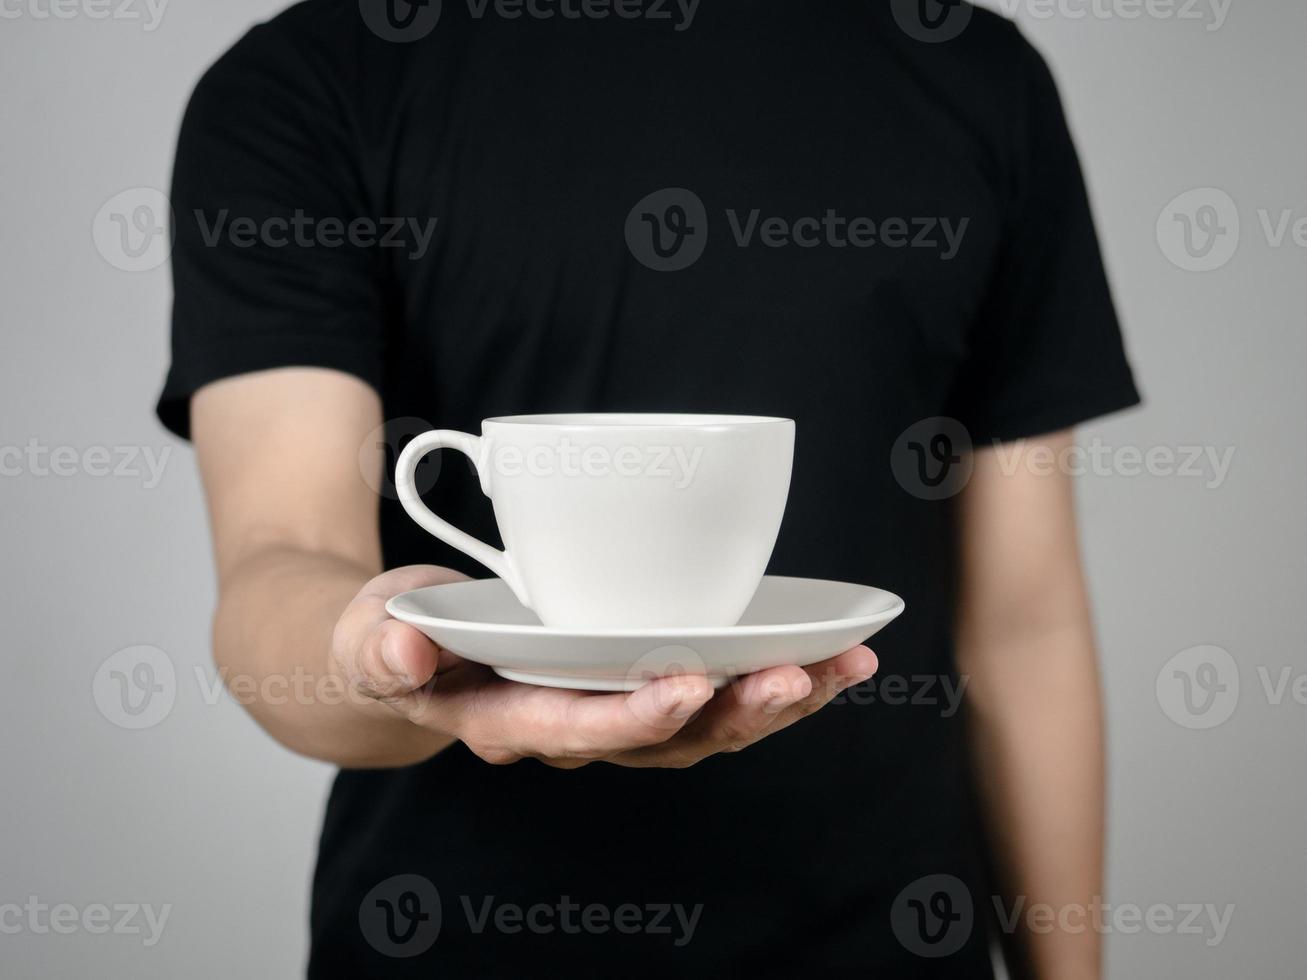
{"points": [[289, 459], [670, 722]]}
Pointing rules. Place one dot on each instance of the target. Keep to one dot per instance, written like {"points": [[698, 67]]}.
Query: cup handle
{"points": [[406, 487]]}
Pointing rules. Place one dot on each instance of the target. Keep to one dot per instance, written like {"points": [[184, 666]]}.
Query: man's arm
{"points": [[1026, 643], [302, 638], [295, 539]]}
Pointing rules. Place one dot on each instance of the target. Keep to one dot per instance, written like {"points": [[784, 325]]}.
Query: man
{"points": [[772, 209]]}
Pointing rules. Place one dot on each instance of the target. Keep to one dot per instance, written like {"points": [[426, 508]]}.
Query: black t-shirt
{"points": [[773, 208]]}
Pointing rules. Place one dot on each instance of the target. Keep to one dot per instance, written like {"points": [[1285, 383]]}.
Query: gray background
{"points": [[203, 812]]}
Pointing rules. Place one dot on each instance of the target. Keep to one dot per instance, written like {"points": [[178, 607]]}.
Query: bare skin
{"points": [[1026, 644], [302, 595]]}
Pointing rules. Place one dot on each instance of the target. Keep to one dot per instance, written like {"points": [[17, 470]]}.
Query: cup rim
{"points": [[636, 420]]}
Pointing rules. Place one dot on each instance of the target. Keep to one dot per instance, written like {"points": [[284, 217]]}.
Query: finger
{"points": [[736, 718], [769, 691], [556, 725], [597, 726], [829, 679], [379, 656], [396, 659]]}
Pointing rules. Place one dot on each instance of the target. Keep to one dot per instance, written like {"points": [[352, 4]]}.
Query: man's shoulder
{"points": [[308, 47], [965, 37], [311, 32], [318, 20], [972, 59]]}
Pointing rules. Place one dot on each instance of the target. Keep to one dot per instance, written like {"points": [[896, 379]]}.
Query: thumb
{"points": [[381, 657], [396, 659]]}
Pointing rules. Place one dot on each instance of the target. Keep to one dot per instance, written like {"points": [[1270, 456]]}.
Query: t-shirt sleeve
{"points": [[266, 184], [1046, 350]]}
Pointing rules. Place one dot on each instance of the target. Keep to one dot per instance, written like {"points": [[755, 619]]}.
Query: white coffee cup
{"points": [[622, 521]]}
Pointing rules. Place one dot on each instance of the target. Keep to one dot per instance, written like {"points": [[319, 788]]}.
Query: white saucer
{"points": [[790, 621]]}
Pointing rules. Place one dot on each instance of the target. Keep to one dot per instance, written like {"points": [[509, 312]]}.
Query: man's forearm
{"points": [[272, 642], [1035, 706]]}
